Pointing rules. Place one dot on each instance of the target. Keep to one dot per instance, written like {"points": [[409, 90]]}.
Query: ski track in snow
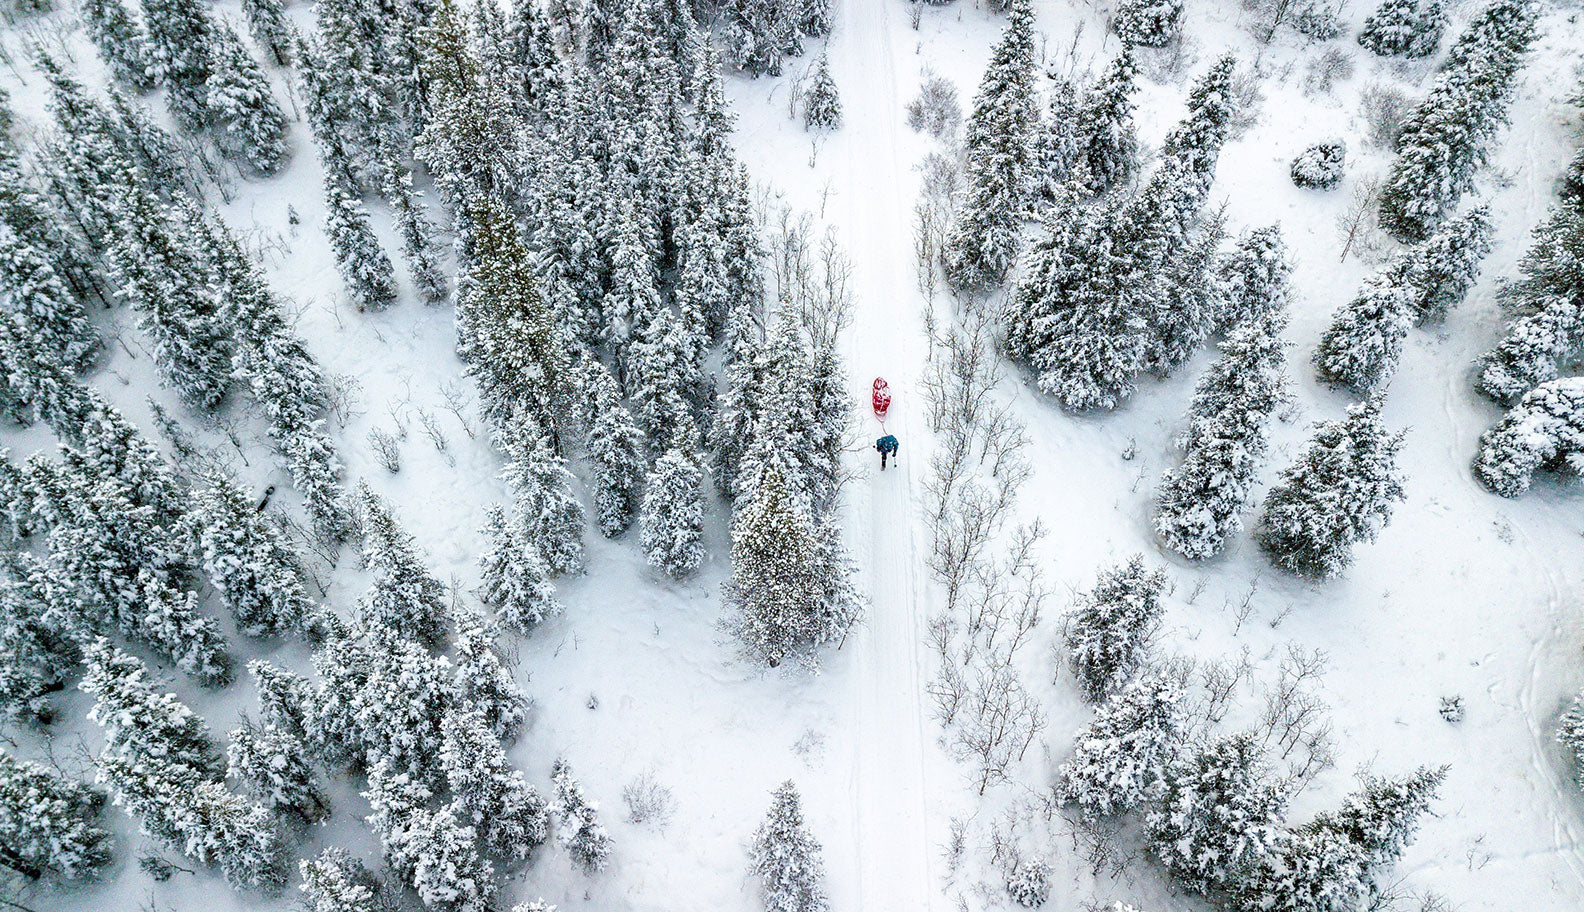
{"points": [[891, 847]]}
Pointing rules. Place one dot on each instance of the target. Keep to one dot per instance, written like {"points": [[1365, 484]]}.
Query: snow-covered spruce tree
{"points": [[516, 581], [1190, 306], [1570, 732], [1099, 301], [405, 598], [418, 249], [671, 524], [1545, 430], [1320, 166], [505, 331], [1361, 347], [1338, 493], [158, 270], [271, 29], [1548, 301], [316, 474], [756, 33], [1446, 138], [787, 597], [285, 380], [634, 300], [616, 447], [1218, 815], [1535, 347], [248, 559], [1109, 629], [822, 103], [38, 648], [141, 723], [200, 819], [484, 683], [665, 373], [1421, 285], [370, 279], [248, 123], [271, 765], [49, 823], [1121, 756], [1148, 23], [40, 221], [814, 17], [1407, 28], [282, 695], [1446, 265], [386, 698], [494, 798], [180, 43], [121, 42], [338, 882], [1200, 503], [53, 314], [433, 850], [577, 825], [999, 157], [787, 857], [1057, 147], [544, 501], [1332, 862], [1254, 278], [114, 566], [1082, 343], [1381, 817]]}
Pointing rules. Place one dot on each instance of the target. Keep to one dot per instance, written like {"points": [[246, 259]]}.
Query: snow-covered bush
{"points": [[1029, 882], [1545, 430], [1320, 166], [1319, 20], [936, 110], [1148, 23]]}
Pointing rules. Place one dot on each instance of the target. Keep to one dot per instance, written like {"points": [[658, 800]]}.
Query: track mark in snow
{"points": [[892, 851]]}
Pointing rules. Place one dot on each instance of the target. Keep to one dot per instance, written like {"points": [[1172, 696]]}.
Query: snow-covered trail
{"points": [[891, 845]]}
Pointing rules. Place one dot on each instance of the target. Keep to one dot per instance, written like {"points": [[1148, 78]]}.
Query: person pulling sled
{"points": [[887, 446]]}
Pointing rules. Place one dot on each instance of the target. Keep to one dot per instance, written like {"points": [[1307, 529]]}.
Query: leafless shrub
{"points": [[386, 450], [343, 398], [436, 434], [648, 801], [1384, 107], [1358, 227], [1325, 71], [1220, 680], [936, 110], [956, 845], [1248, 98]]}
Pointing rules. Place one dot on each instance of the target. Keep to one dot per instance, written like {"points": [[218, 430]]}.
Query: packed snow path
{"points": [[890, 839]]}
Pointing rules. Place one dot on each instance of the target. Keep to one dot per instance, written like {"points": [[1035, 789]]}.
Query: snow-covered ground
{"points": [[1465, 593]]}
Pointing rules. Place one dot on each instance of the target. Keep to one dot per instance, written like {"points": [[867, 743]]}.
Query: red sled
{"points": [[881, 398]]}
